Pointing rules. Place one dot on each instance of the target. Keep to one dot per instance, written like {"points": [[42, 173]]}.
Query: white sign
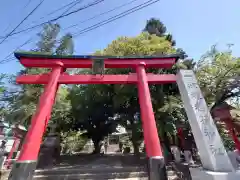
{"points": [[212, 152], [9, 145]]}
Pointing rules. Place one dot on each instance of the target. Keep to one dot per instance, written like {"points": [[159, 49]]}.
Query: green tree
{"points": [[92, 110], [126, 96], [218, 74], [48, 39], [113, 104], [144, 44], [155, 26], [3, 88], [2, 84], [23, 103]]}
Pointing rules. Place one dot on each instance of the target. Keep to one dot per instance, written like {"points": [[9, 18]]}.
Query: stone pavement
{"points": [[115, 166]]}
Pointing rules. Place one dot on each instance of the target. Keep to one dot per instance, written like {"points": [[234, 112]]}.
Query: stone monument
{"points": [[214, 158]]}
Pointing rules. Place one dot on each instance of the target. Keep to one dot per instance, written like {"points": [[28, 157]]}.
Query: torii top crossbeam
{"points": [[50, 61]]}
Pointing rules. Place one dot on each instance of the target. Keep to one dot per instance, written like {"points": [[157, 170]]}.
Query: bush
{"points": [[226, 138], [72, 142]]}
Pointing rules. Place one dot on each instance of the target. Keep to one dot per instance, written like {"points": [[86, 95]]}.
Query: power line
{"points": [[123, 14], [55, 19], [29, 1], [17, 48], [100, 14], [9, 34], [8, 58], [95, 26], [74, 4], [59, 9], [25, 6]]}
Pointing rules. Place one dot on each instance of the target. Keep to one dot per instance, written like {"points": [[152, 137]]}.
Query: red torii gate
{"points": [[26, 163]]}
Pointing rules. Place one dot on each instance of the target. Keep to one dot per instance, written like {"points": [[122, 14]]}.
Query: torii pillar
{"points": [[33, 139]]}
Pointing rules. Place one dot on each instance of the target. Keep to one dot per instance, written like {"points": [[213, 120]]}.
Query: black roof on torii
{"points": [[19, 55]]}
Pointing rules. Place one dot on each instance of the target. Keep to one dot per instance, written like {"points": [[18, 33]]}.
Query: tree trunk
{"points": [[167, 146], [135, 148], [97, 146]]}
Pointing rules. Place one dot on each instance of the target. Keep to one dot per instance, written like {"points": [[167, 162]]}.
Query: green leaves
{"points": [[66, 46], [2, 84], [22, 105], [143, 44], [155, 26], [219, 76], [92, 110], [48, 38]]}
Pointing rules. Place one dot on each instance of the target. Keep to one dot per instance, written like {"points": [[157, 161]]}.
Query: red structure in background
{"points": [[26, 164], [222, 113], [18, 135], [181, 136], [8, 161]]}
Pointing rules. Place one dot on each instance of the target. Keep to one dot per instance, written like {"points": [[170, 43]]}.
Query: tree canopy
{"points": [[121, 101], [22, 104], [219, 76]]}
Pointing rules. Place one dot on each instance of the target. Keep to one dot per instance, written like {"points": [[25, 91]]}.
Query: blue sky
{"points": [[195, 24]]}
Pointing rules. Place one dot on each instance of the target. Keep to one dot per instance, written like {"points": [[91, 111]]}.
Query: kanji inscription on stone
{"points": [[210, 146]]}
